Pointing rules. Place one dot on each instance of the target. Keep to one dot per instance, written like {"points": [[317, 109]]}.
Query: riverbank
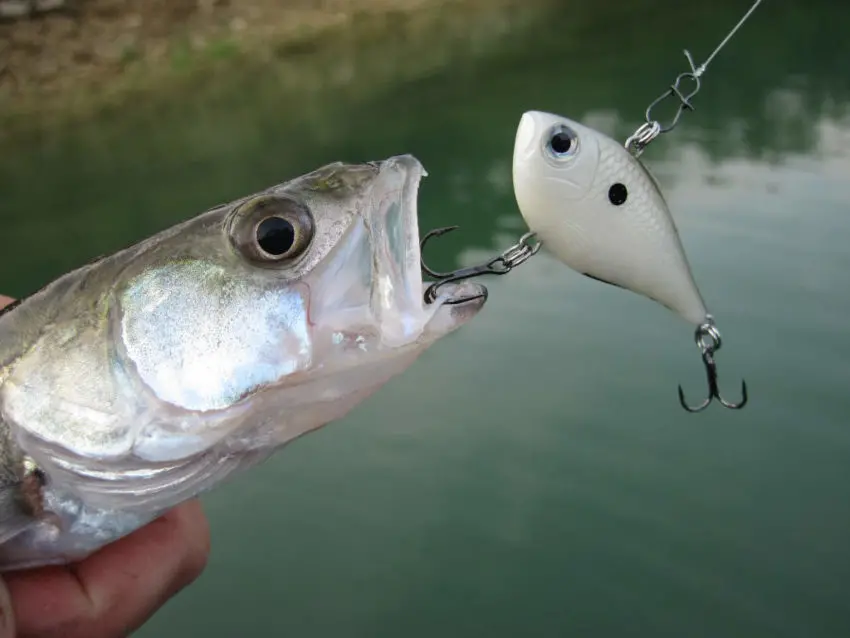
{"points": [[66, 64]]}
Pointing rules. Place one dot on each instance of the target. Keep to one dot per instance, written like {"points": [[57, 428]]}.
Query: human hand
{"points": [[116, 590]]}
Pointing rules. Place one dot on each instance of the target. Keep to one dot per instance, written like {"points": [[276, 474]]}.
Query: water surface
{"points": [[533, 474]]}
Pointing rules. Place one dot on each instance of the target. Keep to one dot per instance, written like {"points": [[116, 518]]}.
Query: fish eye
{"points": [[275, 236], [561, 142], [272, 229]]}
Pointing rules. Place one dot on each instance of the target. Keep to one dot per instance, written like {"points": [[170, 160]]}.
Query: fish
{"points": [[149, 376], [599, 210]]}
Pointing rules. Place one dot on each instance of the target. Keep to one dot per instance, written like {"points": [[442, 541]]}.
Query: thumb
{"points": [[7, 615]]}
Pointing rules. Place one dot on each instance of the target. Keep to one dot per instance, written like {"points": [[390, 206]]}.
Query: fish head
{"points": [[153, 374], [599, 210], [298, 285]]}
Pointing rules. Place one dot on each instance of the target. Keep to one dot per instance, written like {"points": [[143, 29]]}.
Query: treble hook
{"points": [[500, 265], [708, 340]]}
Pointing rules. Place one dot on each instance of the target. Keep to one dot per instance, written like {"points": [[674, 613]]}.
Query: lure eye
{"points": [[272, 229], [561, 142]]}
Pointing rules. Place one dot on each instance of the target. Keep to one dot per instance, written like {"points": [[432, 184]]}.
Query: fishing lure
{"points": [[598, 209]]}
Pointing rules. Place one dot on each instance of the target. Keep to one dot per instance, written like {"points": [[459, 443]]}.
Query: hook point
{"points": [[698, 408], [741, 403], [442, 231]]}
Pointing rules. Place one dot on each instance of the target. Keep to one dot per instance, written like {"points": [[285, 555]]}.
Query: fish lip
{"points": [[466, 293], [401, 175]]}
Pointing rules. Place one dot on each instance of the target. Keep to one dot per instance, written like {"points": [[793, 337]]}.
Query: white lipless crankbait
{"points": [[596, 208]]}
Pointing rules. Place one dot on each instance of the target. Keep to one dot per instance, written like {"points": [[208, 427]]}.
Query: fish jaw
{"points": [[634, 244], [397, 300], [372, 282]]}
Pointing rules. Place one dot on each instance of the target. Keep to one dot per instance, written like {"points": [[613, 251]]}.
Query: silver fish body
{"points": [[598, 210], [146, 378]]}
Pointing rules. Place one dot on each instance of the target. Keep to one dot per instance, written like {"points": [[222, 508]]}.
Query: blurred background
{"points": [[534, 473]]}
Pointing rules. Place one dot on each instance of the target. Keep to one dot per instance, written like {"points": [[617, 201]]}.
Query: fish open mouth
{"points": [[398, 293]]}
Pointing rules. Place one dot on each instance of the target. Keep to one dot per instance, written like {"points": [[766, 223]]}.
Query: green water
{"points": [[534, 473]]}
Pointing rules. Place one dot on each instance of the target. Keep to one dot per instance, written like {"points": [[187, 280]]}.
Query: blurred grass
{"points": [[103, 61]]}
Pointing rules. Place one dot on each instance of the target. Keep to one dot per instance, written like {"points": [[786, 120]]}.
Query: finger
{"points": [[7, 617], [5, 301], [113, 592]]}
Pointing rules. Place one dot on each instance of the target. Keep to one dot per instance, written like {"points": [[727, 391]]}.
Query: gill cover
{"points": [[598, 210]]}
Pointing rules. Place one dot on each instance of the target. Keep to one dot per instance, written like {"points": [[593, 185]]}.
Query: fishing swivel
{"points": [[675, 91], [499, 265], [708, 340], [651, 129]]}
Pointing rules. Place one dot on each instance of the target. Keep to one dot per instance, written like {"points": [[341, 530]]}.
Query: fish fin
{"points": [[20, 504], [14, 522], [21, 484]]}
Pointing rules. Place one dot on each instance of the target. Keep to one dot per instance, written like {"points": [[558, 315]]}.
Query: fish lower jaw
{"points": [[397, 328], [454, 308]]}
